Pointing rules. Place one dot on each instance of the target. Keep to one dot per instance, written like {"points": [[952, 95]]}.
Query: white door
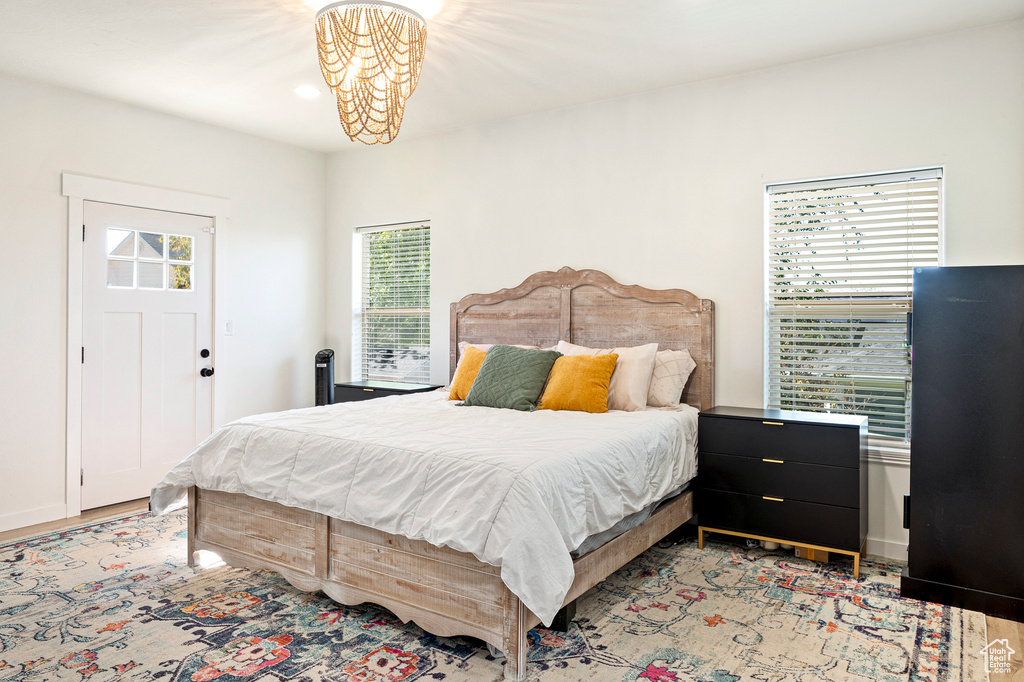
{"points": [[146, 327]]}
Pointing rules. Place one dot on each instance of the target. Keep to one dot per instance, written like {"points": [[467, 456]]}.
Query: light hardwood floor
{"points": [[998, 628], [124, 508], [1013, 632]]}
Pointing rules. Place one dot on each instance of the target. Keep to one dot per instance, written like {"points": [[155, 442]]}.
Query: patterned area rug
{"points": [[114, 600]]}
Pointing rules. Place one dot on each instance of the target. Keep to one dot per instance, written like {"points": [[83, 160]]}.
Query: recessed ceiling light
{"points": [[307, 91]]}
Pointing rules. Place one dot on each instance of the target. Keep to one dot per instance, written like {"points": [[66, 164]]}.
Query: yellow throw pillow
{"points": [[579, 382], [465, 373]]}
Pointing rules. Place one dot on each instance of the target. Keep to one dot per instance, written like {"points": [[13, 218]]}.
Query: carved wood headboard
{"points": [[589, 308]]}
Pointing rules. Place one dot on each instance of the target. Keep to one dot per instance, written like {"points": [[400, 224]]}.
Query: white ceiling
{"points": [[236, 63]]}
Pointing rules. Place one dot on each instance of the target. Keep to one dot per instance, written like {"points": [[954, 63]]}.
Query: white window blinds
{"points": [[394, 315], [841, 258]]}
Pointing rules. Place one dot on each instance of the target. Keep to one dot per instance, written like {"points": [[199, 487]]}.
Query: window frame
{"points": [[358, 362], [882, 448]]}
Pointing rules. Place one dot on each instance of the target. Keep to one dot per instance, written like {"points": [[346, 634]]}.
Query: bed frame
{"points": [[445, 591]]}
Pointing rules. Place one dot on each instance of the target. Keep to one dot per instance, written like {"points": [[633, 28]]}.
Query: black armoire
{"points": [[966, 507]]}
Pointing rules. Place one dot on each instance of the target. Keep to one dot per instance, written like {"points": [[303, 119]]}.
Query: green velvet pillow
{"points": [[512, 378]]}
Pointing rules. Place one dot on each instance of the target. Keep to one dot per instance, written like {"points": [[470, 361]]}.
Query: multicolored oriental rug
{"points": [[115, 601]]}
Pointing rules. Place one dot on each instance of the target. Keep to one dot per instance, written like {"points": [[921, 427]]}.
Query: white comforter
{"points": [[518, 490]]}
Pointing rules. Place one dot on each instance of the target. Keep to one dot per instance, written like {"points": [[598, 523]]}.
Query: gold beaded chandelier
{"points": [[371, 53]]}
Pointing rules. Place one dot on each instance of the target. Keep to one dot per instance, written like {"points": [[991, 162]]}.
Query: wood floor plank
{"points": [[1013, 632], [122, 508]]}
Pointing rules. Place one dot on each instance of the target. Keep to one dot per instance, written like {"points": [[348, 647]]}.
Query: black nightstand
{"points": [[797, 478], [365, 390]]}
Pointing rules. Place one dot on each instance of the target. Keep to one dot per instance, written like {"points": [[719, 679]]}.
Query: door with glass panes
{"points": [[147, 356]]}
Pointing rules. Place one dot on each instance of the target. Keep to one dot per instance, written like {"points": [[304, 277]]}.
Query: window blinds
{"points": [[841, 258], [395, 303]]}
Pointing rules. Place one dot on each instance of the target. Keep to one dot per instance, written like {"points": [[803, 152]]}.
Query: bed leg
{"points": [[564, 617], [191, 547], [515, 644]]}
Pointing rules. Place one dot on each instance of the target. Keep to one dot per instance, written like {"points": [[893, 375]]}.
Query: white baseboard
{"points": [[887, 549], [32, 517]]}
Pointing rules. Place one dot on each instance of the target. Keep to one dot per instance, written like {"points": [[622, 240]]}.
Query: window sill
{"points": [[888, 451]]}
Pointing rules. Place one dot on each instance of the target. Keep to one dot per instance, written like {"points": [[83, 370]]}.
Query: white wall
{"points": [[665, 189], [275, 263]]}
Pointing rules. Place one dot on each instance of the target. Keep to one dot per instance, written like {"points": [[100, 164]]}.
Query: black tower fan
{"points": [[325, 377]]}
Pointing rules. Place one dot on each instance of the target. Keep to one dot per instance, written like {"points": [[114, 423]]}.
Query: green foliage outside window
{"points": [[839, 290], [396, 304]]}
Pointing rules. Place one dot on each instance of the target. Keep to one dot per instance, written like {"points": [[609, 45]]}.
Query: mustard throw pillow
{"points": [[465, 373], [580, 383]]}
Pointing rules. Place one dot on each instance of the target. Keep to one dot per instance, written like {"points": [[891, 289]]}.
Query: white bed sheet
{"points": [[518, 490]]}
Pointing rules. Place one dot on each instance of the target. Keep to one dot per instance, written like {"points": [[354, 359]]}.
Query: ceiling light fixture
{"points": [[371, 53]]}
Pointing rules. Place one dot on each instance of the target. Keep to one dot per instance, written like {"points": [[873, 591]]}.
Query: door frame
{"points": [[79, 189]]}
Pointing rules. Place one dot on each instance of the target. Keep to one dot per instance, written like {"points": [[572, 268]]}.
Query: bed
{"points": [[446, 591]]}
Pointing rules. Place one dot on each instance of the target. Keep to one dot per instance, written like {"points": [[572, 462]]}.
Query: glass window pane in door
{"points": [[180, 277], [180, 247], [151, 275], [151, 245], [120, 273], [120, 242]]}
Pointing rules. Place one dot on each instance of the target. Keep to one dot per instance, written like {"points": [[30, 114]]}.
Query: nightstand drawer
{"points": [[809, 443], [800, 522], [789, 480], [345, 394]]}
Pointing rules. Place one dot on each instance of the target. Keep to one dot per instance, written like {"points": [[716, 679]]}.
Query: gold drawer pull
{"points": [[368, 389], [774, 423], [773, 461], [773, 499]]}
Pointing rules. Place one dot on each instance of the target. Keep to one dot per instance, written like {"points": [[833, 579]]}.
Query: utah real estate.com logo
{"points": [[997, 657]]}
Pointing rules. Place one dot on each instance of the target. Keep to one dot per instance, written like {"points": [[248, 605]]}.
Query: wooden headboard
{"points": [[589, 308]]}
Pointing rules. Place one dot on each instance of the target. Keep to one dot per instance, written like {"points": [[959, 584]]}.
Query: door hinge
{"points": [[81, 477], [83, 233], [211, 230], [83, 355]]}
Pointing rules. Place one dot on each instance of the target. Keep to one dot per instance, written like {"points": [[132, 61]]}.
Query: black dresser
{"points": [[365, 390], [797, 478]]}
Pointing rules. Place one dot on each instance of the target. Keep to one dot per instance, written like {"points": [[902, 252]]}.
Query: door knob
{"points": [[206, 372]]}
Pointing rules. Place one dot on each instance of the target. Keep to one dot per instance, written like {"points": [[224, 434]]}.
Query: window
{"points": [[139, 260], [841, 258], [392, 335]]}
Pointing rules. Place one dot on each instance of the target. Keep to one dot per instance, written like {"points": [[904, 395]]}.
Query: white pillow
{"points": [[671, 370], [632, 376], [485, 347]]}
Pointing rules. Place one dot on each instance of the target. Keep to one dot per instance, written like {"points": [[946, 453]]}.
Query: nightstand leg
{"points": [[700, 537], [856, 566]]}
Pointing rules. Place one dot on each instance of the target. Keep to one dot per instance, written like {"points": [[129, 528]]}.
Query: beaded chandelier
{"points": [[371, 53]]}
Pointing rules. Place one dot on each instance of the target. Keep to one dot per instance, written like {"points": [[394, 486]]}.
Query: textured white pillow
{"points": [[632, 376], [671, 370], [485, 347]]}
